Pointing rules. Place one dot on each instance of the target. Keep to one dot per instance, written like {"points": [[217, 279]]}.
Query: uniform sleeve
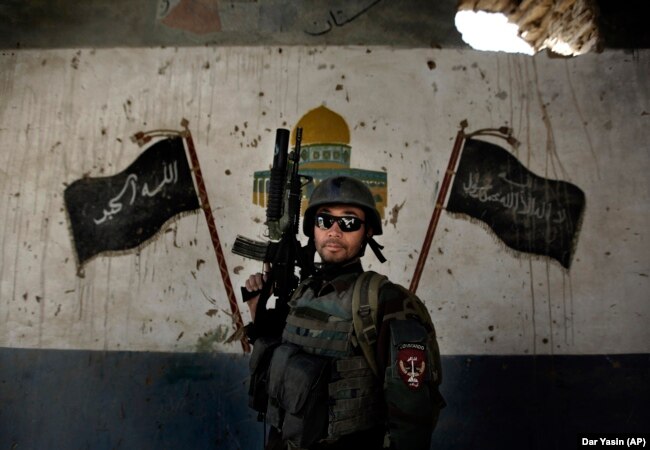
{"points": [[411, 373]]}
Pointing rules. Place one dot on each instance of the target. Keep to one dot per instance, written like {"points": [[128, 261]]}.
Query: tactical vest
{"points": [[320, 387]]}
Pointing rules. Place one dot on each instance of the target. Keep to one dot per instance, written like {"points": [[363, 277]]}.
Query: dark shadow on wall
{"points": [[53, 399], [542, 402]]}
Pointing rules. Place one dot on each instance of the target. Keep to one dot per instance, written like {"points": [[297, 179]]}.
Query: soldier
{"points": [[357, 365]]}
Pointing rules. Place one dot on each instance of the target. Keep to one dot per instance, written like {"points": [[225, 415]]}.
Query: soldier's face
{"points": [[333, 244]]}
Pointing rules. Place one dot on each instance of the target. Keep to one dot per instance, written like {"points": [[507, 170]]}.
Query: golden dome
{"points": [[322, 126]]}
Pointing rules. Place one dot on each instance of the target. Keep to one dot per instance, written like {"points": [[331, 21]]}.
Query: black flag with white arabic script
{"points": [[123, 211], [527, 212]]}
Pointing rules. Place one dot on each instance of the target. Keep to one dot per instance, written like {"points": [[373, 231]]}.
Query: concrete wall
{"points": [[66, 114]]}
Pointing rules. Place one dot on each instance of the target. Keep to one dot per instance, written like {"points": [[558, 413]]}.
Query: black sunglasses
{"points": [[325, 221]]}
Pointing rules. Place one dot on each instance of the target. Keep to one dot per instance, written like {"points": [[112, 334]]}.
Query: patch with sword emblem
{"points": [[411, 364]]}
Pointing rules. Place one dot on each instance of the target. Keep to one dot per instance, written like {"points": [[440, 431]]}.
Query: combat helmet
{"points": [[348, 191]]}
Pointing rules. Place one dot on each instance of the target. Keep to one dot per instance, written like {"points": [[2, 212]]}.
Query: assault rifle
{"points": [[283, 250]]}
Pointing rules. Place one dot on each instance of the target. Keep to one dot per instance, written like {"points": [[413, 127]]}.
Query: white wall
{"points": [[66, 113]]}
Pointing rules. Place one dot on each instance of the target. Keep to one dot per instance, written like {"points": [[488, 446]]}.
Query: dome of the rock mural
{"points": [[325, 140], [325, 152], [322, 126]]}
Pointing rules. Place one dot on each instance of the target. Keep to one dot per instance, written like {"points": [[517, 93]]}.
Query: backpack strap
{"points": [[365, 301]]}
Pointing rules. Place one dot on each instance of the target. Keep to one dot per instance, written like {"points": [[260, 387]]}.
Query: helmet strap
{"points": [[376, 248], [306, 258]]}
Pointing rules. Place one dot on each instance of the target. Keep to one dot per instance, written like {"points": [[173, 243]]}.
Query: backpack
{"points": [[365, 302]]}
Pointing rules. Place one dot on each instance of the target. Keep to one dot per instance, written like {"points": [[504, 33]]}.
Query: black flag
{"points": [[529, 213], [123, 211]]}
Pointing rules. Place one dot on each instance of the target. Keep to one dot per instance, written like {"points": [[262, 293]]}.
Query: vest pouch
{"points": [[259, 368], [298, 382], [279, 360]]}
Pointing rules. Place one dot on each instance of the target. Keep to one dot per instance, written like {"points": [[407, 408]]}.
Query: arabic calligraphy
{"points": [[527, 212], [116, 204], [521, 202], [338, 18]]}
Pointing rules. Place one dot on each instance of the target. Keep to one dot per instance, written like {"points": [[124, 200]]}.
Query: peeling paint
{"points": [[394, 213], [209, 341]]}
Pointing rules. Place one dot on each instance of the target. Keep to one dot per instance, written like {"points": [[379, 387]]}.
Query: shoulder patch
{"points": [[411, 364]]}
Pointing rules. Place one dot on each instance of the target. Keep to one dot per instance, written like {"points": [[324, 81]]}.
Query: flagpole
{"points": [[437, 210], [214, 235]]}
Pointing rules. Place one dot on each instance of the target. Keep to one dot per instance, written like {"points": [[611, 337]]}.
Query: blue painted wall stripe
{"points": [[54, 399]]}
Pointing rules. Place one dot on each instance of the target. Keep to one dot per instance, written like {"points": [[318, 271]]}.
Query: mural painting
{"points": [[124, 211], [325, 152], [195, 16], [527, 212], [338, 17]]}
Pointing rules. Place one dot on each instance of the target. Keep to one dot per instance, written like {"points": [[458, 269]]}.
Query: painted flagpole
{"points": [[214, 235], [437, 210]]}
